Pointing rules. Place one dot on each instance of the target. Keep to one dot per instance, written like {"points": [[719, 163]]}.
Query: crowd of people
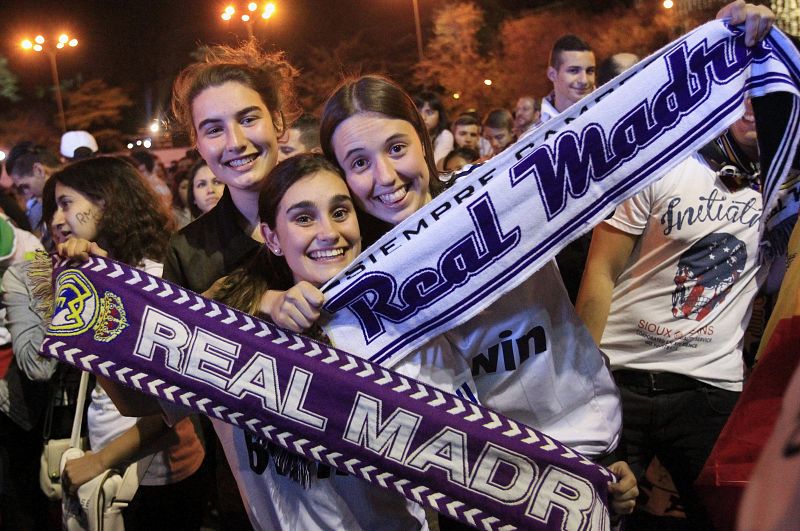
{"points": [[272, 202]]}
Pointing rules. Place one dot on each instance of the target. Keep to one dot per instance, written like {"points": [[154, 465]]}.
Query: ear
{"points": [[279, 123], [317, 150], [552, 74], [271, 239], [40, 170]]}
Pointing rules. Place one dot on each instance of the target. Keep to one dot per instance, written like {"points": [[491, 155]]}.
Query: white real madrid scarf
{"points": [[508, 217]]}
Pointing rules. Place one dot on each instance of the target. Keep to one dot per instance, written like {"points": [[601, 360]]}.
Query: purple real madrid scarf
{"points": [[319, 402]]}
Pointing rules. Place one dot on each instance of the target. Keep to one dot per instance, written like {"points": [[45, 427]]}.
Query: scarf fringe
{"points": [[40, 282]]}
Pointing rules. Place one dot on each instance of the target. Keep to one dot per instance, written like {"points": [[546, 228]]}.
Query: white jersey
{"points": [[331, 501], [534, 361], [683, 301]]}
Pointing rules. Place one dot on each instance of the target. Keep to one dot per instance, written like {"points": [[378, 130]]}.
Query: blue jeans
{"points": [[680, 428]]}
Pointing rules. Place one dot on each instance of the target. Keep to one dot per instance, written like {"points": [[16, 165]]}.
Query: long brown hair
{"points": [[135, 224]]}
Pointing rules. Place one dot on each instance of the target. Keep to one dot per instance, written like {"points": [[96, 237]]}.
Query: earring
{"points": [[276, 251]]}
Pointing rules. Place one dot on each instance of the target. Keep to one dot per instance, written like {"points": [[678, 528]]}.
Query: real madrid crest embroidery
{"points": [[78, 308]]}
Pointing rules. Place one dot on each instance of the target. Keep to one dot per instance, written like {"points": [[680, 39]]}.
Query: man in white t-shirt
{"points": [[572, 69], [667, 293]]}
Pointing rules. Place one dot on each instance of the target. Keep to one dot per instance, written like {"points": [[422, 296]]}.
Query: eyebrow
{"points": [[341, 198], [239, 114], [305, 205], [393, 138]]}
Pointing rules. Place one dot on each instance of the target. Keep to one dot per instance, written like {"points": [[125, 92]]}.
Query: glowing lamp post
{"points": [[40, 44], [249, 14]]}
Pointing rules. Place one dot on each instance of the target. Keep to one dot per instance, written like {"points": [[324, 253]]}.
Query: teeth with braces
{"points": [[241, 162]]}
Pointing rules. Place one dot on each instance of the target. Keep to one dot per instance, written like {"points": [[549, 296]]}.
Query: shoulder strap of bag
{"points": [[131, 479], [75, 439]]}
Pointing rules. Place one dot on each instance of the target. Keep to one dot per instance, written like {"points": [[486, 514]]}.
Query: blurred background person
{"points": [[527, 113], [204, 190], [433, 113], [498, 129], [301, 137]]}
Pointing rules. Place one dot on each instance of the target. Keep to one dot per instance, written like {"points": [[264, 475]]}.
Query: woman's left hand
{"points": [[81, 470], [79, 249]]}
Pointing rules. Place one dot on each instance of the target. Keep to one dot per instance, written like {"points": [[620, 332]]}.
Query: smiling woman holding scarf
{"points": [[311, 231]]}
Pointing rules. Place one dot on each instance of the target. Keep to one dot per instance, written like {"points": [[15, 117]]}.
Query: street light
{"points": [[40, 44], [415, 5], [249, 14]]}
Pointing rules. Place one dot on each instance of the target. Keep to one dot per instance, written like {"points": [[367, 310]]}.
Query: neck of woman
{"points": [[246, 202]]}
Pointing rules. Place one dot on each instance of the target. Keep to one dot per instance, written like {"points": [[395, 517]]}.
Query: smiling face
{"points": [[573, 79], [76, 215], [316, 228], [744, 131], [525, 113], [206, 189], [384, 163], [235, 135]]}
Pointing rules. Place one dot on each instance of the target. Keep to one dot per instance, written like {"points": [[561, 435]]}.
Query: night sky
{"points": [[142, 44]]}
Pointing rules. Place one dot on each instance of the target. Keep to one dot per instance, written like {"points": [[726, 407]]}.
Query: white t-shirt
{"points": [[683, 301], [534, 361], [333, 502], [442, 145], [548, 110]]}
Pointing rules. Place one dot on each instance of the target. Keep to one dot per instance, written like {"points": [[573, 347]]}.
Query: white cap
{"points": [[72, 140]]}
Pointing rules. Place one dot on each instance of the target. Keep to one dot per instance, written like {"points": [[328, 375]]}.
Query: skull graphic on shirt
{"points": [[705, 274]]}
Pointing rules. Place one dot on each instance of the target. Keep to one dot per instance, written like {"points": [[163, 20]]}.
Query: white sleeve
{"points": [[631, 216], [442, 145]]}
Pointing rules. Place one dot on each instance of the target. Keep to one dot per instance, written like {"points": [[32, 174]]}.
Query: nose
{"points": [[384, 173], [326, 231], [235, 140], [583, 78], [58, 217]]}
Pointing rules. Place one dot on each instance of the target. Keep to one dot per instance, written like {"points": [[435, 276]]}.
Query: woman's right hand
{"points": [[295, 309], [79, 249]]}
